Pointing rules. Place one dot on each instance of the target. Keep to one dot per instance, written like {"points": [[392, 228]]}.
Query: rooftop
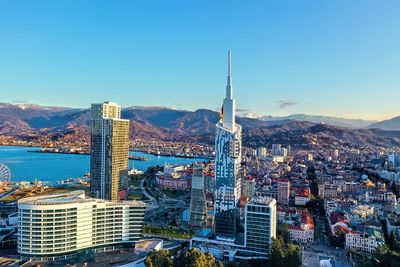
{"points": [[70, 198], [262, 200]]}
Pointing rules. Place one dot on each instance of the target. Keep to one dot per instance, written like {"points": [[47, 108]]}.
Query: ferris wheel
{"points": [[5, 173]]}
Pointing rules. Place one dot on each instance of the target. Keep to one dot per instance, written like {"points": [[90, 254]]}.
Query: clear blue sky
{"points": [[337, 58]]}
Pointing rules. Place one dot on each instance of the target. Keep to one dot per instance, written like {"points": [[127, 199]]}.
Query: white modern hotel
{"points": [[60, 226]]}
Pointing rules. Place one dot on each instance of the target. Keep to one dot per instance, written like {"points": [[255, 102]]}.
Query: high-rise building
{"points": [[262, 152], [109, 152], [62, 226], [283, 188], [198, 205], [228, 153], [278, 150], [248, 186], [260, 224], [394, 160], [276, 147]]}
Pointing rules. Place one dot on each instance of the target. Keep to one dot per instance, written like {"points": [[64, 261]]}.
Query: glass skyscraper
{"points": [[228, 153], [109, 152]]}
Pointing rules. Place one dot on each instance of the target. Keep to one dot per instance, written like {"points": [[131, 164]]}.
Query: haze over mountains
{"points": [[387, 125], [27, 120]]}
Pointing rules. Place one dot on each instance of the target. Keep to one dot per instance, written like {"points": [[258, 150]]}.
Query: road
{"points": [[321, 248], [152, 203], [6, 195]]}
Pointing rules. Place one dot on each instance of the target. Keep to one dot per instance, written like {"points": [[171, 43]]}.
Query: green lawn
{"points": [[136, 194], [136, 197], [155, 230]]}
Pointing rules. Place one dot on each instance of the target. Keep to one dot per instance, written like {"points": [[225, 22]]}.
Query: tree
{"points": [[393, 243], [194, 258], [277, 252], [386, 257], [158, 258], [293, 257], [284, 255], [284, 233]]}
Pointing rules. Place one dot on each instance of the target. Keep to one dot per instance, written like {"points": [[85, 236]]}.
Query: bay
{"points": [[53, 167]]}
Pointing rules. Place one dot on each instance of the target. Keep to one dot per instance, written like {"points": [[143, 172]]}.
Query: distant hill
{"points": [[335, 121], [311, 135], [28, 122], [387, 125], [151, 122]]}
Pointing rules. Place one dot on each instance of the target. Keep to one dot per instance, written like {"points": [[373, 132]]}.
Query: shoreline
{"points": [[131, 150], [51, 180], [138, 158]]}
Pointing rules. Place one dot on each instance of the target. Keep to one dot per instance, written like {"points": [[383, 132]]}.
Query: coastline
{"points": [[83, 153], [131, 150], [51, 167]]}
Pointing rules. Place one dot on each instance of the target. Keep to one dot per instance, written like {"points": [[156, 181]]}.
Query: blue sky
{"points": [[338, 58]]}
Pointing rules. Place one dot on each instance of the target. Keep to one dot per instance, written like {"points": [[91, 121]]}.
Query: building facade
{"points": [[260, 224], [61, 226], [394, 160], [109, 157], [198, 205], [262, 152], [248, 186], [283, 188], [368, 240], [228, 153]]}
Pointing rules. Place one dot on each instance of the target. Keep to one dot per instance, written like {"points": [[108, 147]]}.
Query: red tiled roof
{"points": [[294, 227]]}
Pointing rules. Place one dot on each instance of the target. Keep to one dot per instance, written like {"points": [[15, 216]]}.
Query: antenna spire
{"points": [[229, 90], [229, 63]]}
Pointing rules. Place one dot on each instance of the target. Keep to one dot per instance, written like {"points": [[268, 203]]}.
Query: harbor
{"points": [[53, 167]]}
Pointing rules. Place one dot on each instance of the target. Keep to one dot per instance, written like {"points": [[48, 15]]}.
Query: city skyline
{"points": [[120, 146], [337, 59]]}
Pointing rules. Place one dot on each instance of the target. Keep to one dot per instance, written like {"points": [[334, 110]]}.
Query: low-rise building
{"points": [[366, 241], [301, 199]]}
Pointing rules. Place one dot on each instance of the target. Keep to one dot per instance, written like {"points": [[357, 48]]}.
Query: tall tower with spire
{"points": [[228, 153], [229, 101]]}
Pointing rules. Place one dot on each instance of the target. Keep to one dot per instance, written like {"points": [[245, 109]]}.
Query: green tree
{"points": [[393, 243], [158, 258], [284, 255], [194, 258], [293, 256], [277, 252], [284, 232]]}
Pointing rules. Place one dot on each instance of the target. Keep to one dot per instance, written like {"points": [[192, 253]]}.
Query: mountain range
{"points": [[30, 121], [387, 125], [335, 121]]}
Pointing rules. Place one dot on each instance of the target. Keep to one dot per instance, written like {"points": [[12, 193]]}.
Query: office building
{"points": [[62, 226], [259, 227], [260, 224], [198, 206], [109, 152], [228, 153]]}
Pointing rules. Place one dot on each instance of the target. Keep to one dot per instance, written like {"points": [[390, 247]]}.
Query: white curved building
{"points": [[60, 226]]}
